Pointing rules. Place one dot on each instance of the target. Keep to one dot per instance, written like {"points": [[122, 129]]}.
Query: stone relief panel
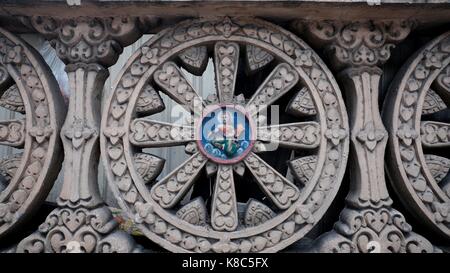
{"points": [[250, 182]]}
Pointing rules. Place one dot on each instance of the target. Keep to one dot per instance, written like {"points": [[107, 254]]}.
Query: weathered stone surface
{"points": [[28, 87], [231, 139], [367, 223], [416, 175], [82, 223], [154, 205]]}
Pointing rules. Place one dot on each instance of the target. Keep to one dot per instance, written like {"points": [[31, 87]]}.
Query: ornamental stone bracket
{"points": [[82, 223], [368, 223]]}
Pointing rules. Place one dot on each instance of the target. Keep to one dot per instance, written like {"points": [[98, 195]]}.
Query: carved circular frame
{"points": [[180, 236], [409, 172], [44, 111]]}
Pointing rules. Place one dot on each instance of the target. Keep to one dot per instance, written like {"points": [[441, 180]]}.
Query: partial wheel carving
{"points": [[418, 116], [27, 87], [312, 136]]}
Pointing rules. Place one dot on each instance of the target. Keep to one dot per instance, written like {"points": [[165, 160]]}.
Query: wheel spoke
{"points": [[12, 133], [292, 135], [226, 59], [280, 190], [435, 134], [278, 83], [224, 214], [176, 86], [175, 185], [149, 133]]}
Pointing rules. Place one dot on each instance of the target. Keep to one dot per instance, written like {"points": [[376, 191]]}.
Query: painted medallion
{"points": [[225, 134]]}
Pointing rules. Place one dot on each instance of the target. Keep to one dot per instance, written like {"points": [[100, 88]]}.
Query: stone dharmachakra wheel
{"points": [[28, 88], [234, 148], [418, 118]]}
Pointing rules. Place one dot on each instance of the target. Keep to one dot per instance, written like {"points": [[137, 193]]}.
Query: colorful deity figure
{"points": [[226, 135]]}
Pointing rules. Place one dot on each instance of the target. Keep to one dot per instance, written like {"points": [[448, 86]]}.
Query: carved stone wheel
{"points": [[225, 138], [27, 87], [418, 117]]}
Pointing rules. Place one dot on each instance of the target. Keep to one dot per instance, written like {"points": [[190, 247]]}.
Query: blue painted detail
{"points": [[226, 133]]}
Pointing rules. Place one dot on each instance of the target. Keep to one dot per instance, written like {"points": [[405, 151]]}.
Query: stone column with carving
{"points": [[82, 223], [368, 223]]}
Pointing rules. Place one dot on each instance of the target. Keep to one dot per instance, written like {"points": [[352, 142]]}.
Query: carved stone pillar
{"points": [[81, 223], [368, 223]]}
